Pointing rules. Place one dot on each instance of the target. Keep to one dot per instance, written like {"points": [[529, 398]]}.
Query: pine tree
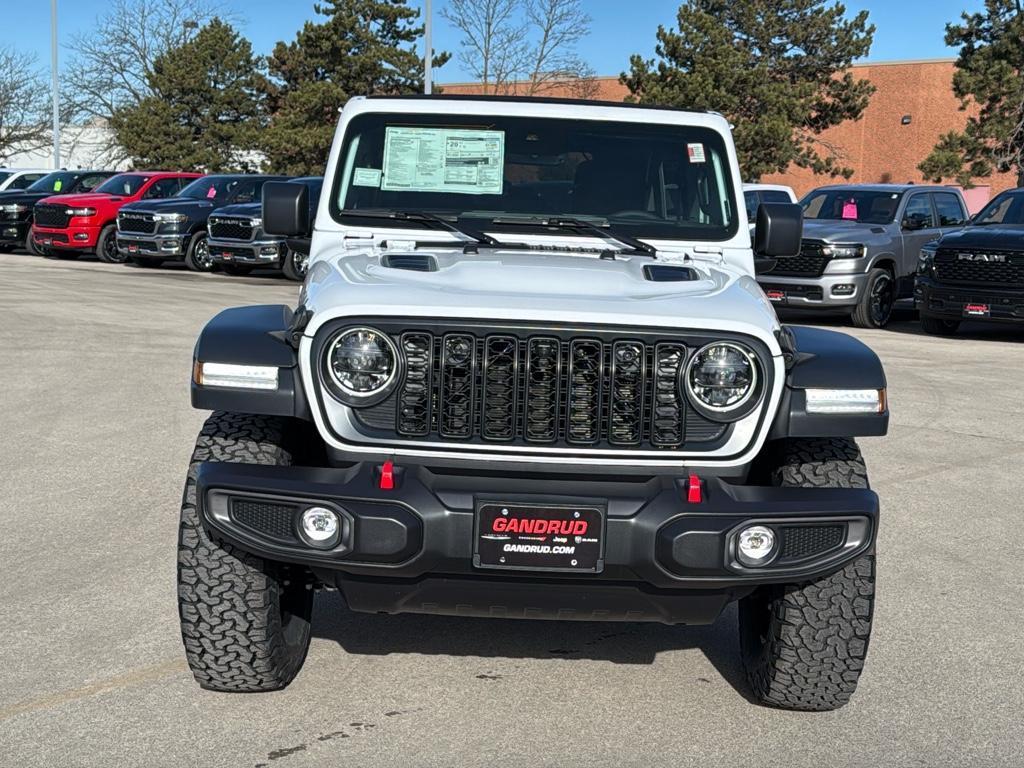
{"points": [[777, 69], [206, 111], [989, 75], [363, 47]]}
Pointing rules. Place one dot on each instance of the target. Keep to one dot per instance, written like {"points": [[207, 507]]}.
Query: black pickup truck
{"points": [[16, 206], [151, 232], [975, 273]]}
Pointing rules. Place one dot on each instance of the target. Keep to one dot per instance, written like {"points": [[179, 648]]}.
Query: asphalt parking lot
{"points": [[97, 431]]}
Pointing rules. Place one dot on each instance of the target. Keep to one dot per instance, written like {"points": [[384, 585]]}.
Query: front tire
{"points": [[106, 246], [938, 326], [295, 265], [804, 645], [876, 304], [245, 622], [198, 257]]}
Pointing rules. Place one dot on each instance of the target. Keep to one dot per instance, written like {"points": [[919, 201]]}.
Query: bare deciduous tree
{"points": [[111, 64], [523, 46], [24, 96]]}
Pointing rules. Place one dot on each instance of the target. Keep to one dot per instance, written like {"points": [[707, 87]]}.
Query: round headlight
{"points": [[362, 365], [721, 379]]}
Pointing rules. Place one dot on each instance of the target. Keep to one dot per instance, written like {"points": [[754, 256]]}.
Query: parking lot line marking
{"points": [[141, 675]]}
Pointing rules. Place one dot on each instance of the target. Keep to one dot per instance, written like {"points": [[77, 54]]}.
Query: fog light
{"points": [[320, 525], [843, 289], [756, 545], [81, 236]]}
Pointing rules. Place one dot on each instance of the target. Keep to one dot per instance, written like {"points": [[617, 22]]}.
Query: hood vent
{"points": [[414, 262], [662, 273]]}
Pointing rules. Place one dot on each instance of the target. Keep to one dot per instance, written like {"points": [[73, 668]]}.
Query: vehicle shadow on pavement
{"points": [[905, 321], [619, 643]]}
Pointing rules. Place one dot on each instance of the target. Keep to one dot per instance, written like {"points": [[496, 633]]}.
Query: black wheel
{"points": [[295, 265], [198, 258], [30, 246], [141, 261], [875, 306], [106, 246], [939, 326], [236, 270], [244, 621], [804, 645]]}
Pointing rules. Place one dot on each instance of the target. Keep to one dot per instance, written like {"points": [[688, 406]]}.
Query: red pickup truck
{"points": [[67, 226]]}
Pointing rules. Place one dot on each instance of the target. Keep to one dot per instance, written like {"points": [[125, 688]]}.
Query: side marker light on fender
{"points": [[845, 400], [235, 376]]}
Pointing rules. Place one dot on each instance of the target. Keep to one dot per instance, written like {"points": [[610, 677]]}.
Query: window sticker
{"points": [[366, 177], [696, 152], [461, 160], [850, 210], [57, 185]]}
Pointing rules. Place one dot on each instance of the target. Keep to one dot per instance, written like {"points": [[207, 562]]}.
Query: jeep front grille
{"points": [[224, 228], [811, 262], [55, 216], [537, 387], [950, 268]]}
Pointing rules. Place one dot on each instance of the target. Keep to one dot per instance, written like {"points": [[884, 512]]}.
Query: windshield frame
{"points": [[716, 143]]}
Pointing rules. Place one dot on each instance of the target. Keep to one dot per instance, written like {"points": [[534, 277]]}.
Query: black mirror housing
{"points": [[285, 209], [779, 230]]}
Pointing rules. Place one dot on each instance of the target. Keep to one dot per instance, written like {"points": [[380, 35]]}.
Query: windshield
{"points": [[864, 206], [1007, 208], [53, 182], [122, 184], [661, 181], [5, 175], [215, 188]]}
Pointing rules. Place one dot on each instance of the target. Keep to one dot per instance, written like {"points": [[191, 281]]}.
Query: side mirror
{"points": [[285, 209], [779, 230]]}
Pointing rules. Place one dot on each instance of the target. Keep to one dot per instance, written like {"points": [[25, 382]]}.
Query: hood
{"points": [[838, 231], [188, 205], [83, 199], [21, 196], [241, 209], [543, 286], [1005, 237]]}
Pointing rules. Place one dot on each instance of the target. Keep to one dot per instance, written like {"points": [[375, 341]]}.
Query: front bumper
{"points": [[951, 302], [265, 252], [827, 291], [14, 232], [72, 238], [411, 549], [168, 246]]}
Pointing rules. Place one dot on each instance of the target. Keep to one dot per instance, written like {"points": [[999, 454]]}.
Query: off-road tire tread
{"points": [[817, 632], [229, 599]]}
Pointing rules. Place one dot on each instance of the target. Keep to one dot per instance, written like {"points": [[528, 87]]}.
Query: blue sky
{"points": [[912, 29]]}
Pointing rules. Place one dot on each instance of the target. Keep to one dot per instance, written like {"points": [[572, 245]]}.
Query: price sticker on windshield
{"points": [[696, 152]]}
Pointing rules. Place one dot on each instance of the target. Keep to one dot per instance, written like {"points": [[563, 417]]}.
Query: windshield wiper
{"points": [[475, 236], [605, 231]]}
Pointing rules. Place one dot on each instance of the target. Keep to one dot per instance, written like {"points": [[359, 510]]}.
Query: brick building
{"points": [[912, 106]]}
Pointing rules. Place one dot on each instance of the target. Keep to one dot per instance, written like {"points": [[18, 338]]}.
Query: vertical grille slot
{"points": [[583, 409], [667, 419], [458, 369], [543, 373], [415, 395], [627, 393], [498, 403]]}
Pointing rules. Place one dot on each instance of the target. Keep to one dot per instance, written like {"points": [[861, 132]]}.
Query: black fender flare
{"points": [[817, 358], [257, 335]]}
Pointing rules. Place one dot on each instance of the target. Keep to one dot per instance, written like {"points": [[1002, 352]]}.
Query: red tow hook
{"points": [[387, 476], [693, 492]]}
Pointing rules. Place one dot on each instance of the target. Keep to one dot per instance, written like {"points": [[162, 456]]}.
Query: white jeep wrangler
{"points": [[531, 375]]}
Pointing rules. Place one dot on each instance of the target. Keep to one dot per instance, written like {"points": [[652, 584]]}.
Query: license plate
{"points": [[133, 248], [775, 295], [226, 256], [977, 310], [47, 241], [539, 537]]}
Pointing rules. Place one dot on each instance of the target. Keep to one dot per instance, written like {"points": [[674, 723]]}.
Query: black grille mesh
{"points": [[51, 216], [950, 268], [799, 542], [230, 229], [269, 518], [535, 389], [136, 223], [810, 263]]}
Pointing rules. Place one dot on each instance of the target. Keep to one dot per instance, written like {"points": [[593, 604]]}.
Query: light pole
{"points": [[428, 52], [55, 84]]}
